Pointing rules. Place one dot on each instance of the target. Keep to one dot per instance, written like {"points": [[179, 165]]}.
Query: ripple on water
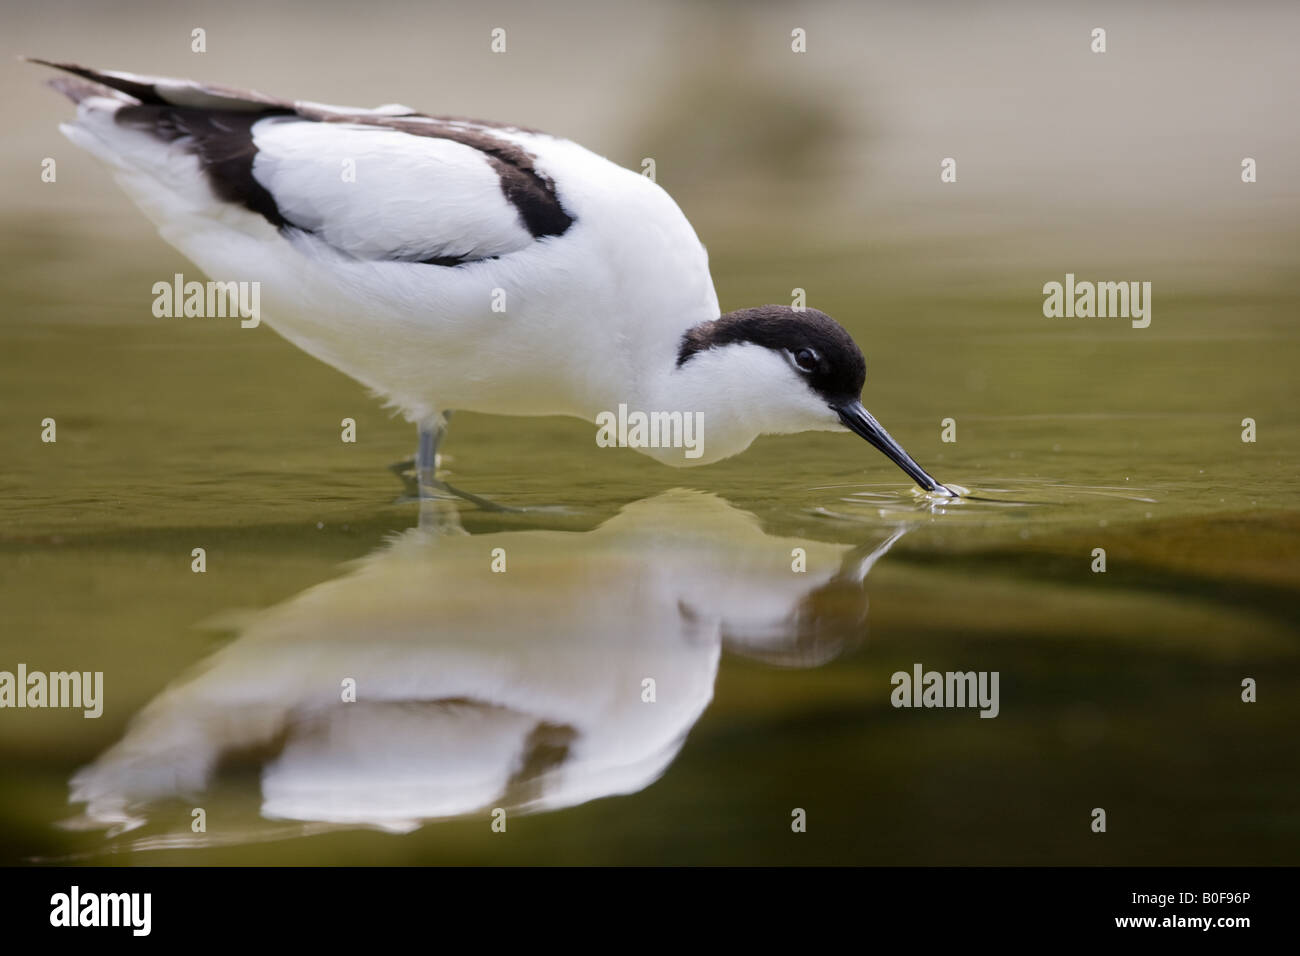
{"points": [[991, 503]]}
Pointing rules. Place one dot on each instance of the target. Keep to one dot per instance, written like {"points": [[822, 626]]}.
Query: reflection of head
{"points": [[576, 674], [825, 621]]}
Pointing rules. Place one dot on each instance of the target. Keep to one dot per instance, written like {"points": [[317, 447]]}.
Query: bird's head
{"points": [[791, 371]]}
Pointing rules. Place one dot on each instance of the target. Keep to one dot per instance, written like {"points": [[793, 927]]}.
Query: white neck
{"points": [[739, 391]]}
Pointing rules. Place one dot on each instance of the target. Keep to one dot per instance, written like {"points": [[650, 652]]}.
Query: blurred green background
{"points": [[817, 171]]}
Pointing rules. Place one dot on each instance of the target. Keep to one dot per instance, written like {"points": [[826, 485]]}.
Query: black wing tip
{"points": [[85, 72], [83, 84], [163, 90], [136, 90]]}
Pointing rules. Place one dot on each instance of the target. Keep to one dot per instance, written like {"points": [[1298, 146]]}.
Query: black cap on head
{"points": [[823, 354], [835, 367]]}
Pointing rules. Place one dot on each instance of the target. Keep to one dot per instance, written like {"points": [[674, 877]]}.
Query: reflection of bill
{"points": [[575, 674]]}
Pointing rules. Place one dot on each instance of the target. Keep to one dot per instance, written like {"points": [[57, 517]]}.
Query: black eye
{"points": [[806, 359]]}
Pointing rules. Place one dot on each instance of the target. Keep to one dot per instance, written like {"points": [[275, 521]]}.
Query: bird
{"points": [[453, 264]]}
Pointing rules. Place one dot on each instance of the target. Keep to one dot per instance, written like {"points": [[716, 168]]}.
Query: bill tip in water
{"points": [[949, 491]]}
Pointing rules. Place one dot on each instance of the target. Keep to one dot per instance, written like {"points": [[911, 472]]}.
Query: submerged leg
{"points": [[426, 484]]}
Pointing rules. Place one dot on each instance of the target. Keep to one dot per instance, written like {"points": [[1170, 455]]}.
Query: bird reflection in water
{"points": [[575, 673]]}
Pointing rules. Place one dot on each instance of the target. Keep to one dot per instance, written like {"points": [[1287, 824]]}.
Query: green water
{"points": [[523, 690]]}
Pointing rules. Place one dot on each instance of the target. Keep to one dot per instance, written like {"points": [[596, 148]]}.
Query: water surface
{"points": [[524, 690]]}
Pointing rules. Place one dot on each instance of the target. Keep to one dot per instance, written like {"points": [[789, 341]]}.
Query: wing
{"points": [[387, 184]]}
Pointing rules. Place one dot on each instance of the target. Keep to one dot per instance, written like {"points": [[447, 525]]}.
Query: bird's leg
{"points": [[426, 452], [424, 463], [427, 484]]}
